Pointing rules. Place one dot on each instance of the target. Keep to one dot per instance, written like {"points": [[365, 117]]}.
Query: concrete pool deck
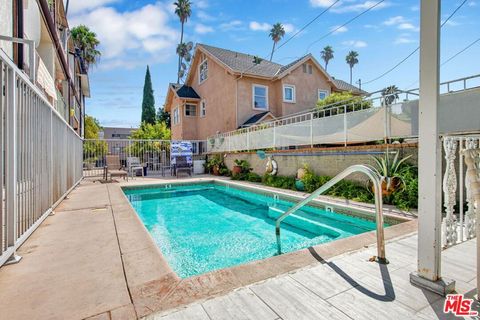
{"points": [[94, 259]]}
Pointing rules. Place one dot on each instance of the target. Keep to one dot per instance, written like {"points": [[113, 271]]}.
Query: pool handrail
{"points": [[376, 181]]}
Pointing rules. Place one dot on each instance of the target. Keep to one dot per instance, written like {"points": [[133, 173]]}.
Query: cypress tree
{"points": [[148, 103]]}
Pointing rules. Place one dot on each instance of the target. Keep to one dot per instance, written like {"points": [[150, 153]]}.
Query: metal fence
{"points": [[41, 159], [154, 154], [377, 117], [458, 224]]}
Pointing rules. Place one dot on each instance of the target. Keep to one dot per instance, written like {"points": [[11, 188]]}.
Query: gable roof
{"points": [[241, 62], [184, 91], [345, 86], [256, 118]]}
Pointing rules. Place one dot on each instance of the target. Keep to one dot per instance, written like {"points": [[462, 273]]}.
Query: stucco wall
{"points": [[322, 162], [306, 89], [6, 25], [218, 91]]}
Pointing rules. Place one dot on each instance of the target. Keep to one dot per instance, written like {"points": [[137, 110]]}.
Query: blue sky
{"points": [[134, 33]]}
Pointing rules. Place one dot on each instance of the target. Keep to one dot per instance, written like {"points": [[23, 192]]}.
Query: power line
{"points": [[414, 51], [450, 59], [296, 33], [343, 25]]}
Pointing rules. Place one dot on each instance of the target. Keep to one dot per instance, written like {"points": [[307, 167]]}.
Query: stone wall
{"points": [[323, 161]]}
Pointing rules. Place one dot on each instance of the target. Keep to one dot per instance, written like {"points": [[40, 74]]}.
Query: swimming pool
{"points": [[209, 226]]}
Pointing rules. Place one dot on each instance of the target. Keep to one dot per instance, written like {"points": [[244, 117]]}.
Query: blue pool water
{"points": [[205, 227]]}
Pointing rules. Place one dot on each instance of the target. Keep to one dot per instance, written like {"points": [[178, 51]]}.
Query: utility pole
{"points": [[359, 82]]}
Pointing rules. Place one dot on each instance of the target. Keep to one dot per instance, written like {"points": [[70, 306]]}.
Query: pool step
{"points": [[303, 223]]}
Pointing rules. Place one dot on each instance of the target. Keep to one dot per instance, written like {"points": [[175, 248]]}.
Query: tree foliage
{"points": [[148, 103], [86, 41], [337, 99], [327, 55], [163, 116], [92, 147], [276, 33], [148, 131], [352, 60], [183, 9]]}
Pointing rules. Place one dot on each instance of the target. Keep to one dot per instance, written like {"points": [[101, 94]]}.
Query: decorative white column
{"points": [[430, 156], [450, 191], [470, 217]]}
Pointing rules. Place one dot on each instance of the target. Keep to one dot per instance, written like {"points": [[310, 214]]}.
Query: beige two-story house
{"points": [[226, 90]]}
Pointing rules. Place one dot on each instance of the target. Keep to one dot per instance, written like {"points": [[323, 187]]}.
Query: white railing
{"points": [[41, 162], [154, 154], [458, 224], [374, 118]]}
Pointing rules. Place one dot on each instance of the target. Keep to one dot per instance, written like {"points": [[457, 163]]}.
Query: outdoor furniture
{"points": [[163, 163], [182, 164], [134, 164], [114, 168]]}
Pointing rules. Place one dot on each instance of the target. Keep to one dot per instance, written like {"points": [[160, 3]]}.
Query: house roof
{"points": [[255, 118], [345, 86], [184, 91], [242, 63], [291, 64]]}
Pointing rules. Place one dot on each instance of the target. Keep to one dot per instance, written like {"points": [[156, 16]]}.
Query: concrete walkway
{"points": [[91, 261], [345, 287]]}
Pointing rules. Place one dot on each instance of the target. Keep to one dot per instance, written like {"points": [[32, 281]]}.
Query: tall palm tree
{"points": [[276, 34], [390, 94], [352, 60], [183, 10], [327, 55], [86, 41]]}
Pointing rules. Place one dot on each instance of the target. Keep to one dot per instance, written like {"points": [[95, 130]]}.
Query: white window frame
{"points": [[200, 81], [322, 91], [203, 109], [176, 116], [266, 97], [185, 110], [294, 93]]}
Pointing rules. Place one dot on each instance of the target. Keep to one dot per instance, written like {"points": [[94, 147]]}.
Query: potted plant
{"points": [[241, 166], [390, 171], [214, 164], [212, 142]]}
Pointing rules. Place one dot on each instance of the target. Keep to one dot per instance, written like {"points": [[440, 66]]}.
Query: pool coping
{"points": [[155, 287]]}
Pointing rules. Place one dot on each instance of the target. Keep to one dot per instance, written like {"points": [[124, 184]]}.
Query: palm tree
{"points": [[86, 41], [327, 55], [390, 94], [276, 34], [183, 10], [352, 60]]}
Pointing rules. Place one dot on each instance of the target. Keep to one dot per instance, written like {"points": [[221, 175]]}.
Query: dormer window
{"points": [[307, 68], [203, 71]]}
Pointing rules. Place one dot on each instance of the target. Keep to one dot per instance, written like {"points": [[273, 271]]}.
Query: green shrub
{"points": [[279, 181], [406, 198], [253, 177]]}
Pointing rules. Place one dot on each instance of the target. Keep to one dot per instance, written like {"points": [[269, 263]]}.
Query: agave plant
{"points": [[390, 170]]}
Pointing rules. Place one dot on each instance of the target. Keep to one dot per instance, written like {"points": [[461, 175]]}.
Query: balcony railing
{"points": [[41, 162], [459, 221]]}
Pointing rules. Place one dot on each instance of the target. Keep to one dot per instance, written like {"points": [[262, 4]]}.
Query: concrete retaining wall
{"points": [[323, 161]]}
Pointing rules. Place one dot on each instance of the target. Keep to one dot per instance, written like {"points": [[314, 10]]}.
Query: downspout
{"points": [[236, 99], [19, 33]]}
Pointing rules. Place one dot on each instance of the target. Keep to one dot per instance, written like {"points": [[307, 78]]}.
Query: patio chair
{"points": [[181, 164], [114, 168], [134, 164]]}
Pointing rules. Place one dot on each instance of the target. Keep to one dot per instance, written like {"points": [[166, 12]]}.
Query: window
{"points": [[190, 110], [322, 94], [304, 68], [310, 69], [260, 97], [176, 116], [203, 108], [203, 71], [289, 93], [307, 68]]}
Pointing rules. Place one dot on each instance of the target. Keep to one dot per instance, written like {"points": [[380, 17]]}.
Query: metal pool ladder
{"points": [[373, 176]]}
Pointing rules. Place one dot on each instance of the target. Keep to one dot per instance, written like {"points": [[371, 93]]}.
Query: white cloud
{"points": [[355, 43], [289, 28], [407, 26], [451, 23], [339, 29], [75, 7], [415, 8], [202, 4], [259, 26], [403, 39], [471, 3], [203, 16], [359, 6], [202, 29], [232, 25], [322, 3], [394, 20], [131, 37]]}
